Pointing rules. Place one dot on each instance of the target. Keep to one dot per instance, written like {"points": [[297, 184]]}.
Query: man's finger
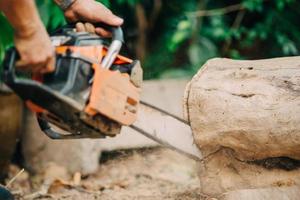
{"points": [[39, 67], [50, 66], [102, 32], [89, 27], [21, 63], [106, 16], [26, 67], [80, 27]]}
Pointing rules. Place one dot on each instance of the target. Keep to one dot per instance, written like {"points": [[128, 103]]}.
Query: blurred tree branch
{"points": [[145, 25], [157, 5], [217, 11], [194, 38], [236, 24], [142, 23]]}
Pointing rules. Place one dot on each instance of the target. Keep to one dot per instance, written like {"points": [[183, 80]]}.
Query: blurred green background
{"points": [[174, 38]]}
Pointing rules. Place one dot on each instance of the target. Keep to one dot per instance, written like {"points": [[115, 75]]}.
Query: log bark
{"points": [[245, 116]]}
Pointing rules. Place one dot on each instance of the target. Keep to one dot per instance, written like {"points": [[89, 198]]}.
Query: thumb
{"points": [[108, 17], [116, 21], [50, 66]]}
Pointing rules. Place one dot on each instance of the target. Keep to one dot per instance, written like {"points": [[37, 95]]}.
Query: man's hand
{"points": [[35, 50], [91, 11], [31, 38]]}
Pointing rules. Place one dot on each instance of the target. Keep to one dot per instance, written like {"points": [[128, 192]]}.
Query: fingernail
{"points": [[119, 20]]}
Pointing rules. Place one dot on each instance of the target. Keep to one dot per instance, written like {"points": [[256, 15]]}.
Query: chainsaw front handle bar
{"points": [[116, 41], [11, 56], [54, 135], [117, 32], [115, 46]]}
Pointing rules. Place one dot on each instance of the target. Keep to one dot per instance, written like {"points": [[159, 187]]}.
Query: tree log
{"points": [[245, 117]]}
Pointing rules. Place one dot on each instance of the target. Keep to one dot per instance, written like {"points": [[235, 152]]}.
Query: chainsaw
{"points": [[93, 92]]}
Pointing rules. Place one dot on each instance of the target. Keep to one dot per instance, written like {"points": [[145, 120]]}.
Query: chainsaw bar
{"points": [[166, 129]]}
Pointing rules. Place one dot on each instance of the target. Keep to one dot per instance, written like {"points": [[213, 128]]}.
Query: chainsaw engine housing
{"points": [[81, 97]]}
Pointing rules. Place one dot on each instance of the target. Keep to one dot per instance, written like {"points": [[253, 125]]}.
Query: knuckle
{"points": [[39, 60], [49, 55], [31, 61]]}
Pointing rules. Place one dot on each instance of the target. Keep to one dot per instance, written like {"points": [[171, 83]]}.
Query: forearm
{"points": [[22, 14]]}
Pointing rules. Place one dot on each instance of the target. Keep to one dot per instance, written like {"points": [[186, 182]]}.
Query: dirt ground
{"points": [[147, 174]]}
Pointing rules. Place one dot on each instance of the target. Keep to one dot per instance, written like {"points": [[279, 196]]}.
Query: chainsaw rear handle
{"points": [[10, 79], [46, 128], [9, 70], [52, 134], [17, 84], [9, 62]]}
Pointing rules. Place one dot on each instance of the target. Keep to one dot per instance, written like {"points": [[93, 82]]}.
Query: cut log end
{"points": [[245, 116]]}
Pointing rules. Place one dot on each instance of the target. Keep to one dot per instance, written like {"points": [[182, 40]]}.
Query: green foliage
{"points": [[6, 35], [182, 33], [50, 14], [253, 5], [178, 39]]}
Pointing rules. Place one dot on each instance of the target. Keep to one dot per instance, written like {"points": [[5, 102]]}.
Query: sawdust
{"points": [[147, 174]]}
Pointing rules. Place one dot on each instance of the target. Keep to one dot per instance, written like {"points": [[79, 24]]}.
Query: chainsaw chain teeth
{"points": [[106, 126]]}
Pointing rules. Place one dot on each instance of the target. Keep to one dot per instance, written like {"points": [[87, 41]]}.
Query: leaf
{"points": [[182, 32], [288, 47], [6, 38], [43, 8], [200, 52], [253, 5], [105, 2]]}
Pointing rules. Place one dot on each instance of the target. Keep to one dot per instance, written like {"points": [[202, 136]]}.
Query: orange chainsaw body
{"points": [[112, 94]]}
